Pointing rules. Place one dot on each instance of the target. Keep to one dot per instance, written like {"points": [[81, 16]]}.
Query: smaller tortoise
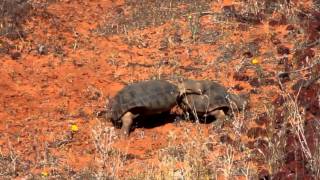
{"points": [[208, 98], [141, 99]]}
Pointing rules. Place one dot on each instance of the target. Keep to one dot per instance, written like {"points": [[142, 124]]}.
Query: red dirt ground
{"points": [[42, 95]]}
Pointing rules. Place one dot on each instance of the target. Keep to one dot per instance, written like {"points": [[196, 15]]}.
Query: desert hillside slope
{"points": [[61, 60]]}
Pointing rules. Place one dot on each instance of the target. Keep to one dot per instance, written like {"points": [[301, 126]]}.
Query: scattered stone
{"points": [[290, 27], [177, 38], [229, 11], [249, 18], [240, 76], [225, 139], [42, 50], [284, 77], [282, 50], [254, 91], [275, 40], [255, 82], [238, 87], [78, 62], [15, 55], [278, 101]]}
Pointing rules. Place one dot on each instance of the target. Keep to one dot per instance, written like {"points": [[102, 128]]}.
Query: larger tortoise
{"points": [[140, 99], [208, 98]]}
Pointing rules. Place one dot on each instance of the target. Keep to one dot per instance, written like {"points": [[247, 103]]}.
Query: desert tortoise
{"points": [[140, 99], [207, 98]]}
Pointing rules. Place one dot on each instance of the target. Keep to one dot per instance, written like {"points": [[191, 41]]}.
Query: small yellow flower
{"points": [[190, 16], [255, 61], [74, 128], [44, 174]]}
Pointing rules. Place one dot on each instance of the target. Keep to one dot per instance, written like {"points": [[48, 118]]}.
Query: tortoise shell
{"points": [[144, 98], [213, 96]]}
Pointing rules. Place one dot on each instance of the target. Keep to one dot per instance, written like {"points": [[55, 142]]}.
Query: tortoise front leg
{"points": [[127, 120], [220, 117]]}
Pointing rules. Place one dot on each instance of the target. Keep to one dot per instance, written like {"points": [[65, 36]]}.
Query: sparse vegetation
{"points": [[143, 14], [12, 14], [61, 60]]}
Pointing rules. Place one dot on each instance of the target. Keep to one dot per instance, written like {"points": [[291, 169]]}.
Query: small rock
{"points": [[255, 82], [254, 91], [284, 77], [226, 139], [238, 87], [240, 76], [229, 11], [283, 50], [290, 27], [275, 41], [15, 55], [78, 63], [42, 50], [177, 38]]}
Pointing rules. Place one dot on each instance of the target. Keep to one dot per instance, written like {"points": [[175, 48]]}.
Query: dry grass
{"points": [[148, 14], [197, 154], [12, 14]]}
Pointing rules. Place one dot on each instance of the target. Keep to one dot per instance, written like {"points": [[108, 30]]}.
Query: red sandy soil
{"points": [[41, 96]]}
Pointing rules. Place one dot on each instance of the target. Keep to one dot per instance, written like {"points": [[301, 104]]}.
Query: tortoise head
{"points": [[190, 87]]}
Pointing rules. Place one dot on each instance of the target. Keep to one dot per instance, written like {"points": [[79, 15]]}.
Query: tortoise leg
{"points": [[127, 120], [220, 117]]}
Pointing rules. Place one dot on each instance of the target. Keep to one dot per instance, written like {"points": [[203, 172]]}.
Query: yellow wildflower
{"points": [[190, 16], [44, 174], [74, 128], [255, 61]]}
